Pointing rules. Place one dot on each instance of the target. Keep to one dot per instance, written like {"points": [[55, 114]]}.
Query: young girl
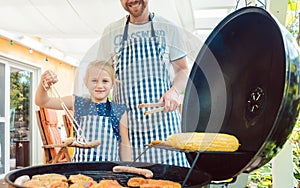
{"points": [[98, 118]]}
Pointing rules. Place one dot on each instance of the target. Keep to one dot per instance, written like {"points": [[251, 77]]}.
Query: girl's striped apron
{"points": [[95, 127], [144, 78]]}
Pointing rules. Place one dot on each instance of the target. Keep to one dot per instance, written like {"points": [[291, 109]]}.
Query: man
{"points": [[146, 47]]}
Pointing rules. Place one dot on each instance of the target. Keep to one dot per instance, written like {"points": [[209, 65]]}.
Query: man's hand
{"points": [[171, 99]]}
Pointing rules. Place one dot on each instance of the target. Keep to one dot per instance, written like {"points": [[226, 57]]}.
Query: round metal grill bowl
{"points": [[103, 170]]}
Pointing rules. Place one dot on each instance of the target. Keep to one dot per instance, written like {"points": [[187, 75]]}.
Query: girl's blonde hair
{"points": [[103, 65]]}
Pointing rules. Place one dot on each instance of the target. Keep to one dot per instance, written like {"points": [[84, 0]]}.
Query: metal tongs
{"points": [[80, 139], [166, 147], [149, 105]]}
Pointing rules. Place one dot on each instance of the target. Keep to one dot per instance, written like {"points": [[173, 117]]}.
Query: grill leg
{"points": [[191, 169]]}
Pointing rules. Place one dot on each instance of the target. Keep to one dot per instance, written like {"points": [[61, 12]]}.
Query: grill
{"points": [[244, 82], [102, 170]]}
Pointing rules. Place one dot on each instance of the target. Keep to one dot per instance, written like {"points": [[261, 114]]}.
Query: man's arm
{"points": [[172, 97]]}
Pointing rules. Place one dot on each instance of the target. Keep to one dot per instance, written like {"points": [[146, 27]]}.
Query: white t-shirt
{"points": [[171, 34]]}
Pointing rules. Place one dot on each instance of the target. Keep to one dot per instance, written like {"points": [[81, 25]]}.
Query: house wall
{"points": [[64, 71], [66, 74]]}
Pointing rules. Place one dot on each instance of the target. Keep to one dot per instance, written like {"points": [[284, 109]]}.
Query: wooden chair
{"points": [[55, 150], [68, 126], [69, 131]]}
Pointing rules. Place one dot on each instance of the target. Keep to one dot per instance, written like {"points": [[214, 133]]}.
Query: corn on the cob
{"points": [[203, 141]]}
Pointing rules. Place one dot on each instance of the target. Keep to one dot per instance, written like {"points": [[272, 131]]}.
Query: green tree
{"points": [[20, 101]]}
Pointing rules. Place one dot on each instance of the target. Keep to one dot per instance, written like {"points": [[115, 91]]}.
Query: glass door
{"points": [[18, 135], [20, 117], [2, 118]]}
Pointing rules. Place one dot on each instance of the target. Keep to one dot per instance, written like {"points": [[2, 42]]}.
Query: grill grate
{"points": [[162, 146], [165, 147], [122, 178]]}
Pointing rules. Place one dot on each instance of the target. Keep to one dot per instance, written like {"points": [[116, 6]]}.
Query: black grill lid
{"points": [[244, 82]]}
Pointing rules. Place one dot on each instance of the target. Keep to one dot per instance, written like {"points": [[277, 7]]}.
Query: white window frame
{"points": [[36, 156]]}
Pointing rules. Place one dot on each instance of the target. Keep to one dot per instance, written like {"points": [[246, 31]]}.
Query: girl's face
{"points": [[99, 84]]}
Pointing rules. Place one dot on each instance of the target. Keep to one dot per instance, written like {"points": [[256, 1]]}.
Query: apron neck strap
{"points": [[108, 107], [125, 34]]}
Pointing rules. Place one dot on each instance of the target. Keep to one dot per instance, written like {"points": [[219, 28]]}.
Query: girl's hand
{"points": [[125, 152], [48, 78], [171, 99]]}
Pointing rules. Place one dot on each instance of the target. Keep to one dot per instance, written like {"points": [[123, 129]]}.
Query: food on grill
{"points": [[128, 169], [201, 142], [107, 184], [160, 184], [20, 180], [76, 185], [50, 178], [82, 179], [136, 181], [33, 184], [157, 142], [151, 183], [59, 185], [91, 144]]}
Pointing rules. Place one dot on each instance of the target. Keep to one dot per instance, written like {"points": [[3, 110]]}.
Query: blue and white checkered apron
{"points": [[95, 127], [144, 78]]}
